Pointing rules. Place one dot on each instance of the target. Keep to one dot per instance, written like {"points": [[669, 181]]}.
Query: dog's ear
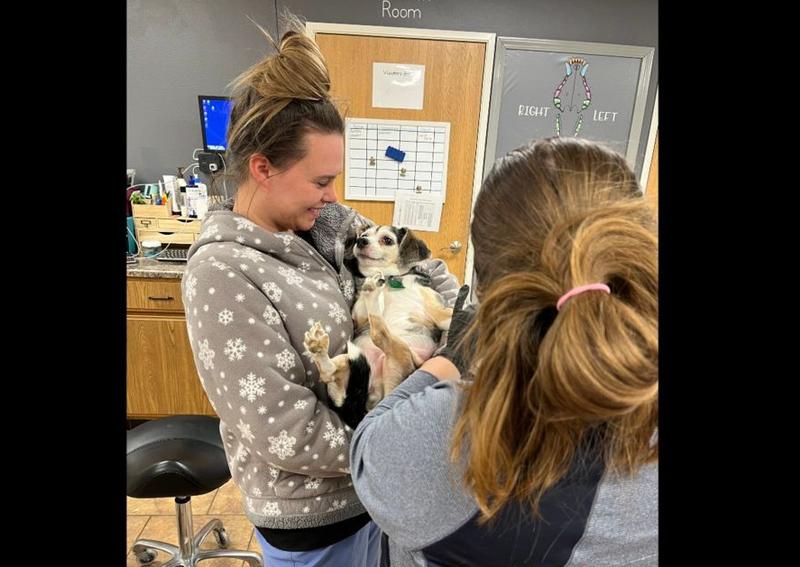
{"points": [[349, 260], [412, 249], [350, 240]]}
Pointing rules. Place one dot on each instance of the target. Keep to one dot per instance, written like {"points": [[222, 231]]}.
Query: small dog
{"points": [[398, 319]]}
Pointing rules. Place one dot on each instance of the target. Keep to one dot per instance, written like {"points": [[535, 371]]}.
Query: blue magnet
{"points": [[395, 154]]}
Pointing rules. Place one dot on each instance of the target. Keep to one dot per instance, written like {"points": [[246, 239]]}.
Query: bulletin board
{"points": [[546, 88]]}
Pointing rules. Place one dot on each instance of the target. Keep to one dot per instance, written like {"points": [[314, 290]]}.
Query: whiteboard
{"points": [[370, 175]]}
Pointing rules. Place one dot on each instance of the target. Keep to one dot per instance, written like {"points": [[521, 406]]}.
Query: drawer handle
{"points": [[168, 298], [146, 222]]}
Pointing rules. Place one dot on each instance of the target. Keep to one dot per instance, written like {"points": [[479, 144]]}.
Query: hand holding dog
{"points": [[458, 326]]}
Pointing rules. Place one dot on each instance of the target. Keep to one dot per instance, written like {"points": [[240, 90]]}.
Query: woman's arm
{"points": [[400, 464], [255, 378]]}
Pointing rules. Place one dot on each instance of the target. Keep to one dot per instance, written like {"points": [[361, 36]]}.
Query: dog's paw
{"points": [[371, 283], [316, 340]]}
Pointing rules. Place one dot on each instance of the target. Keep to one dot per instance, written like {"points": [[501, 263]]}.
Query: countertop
{"points": [[149, 268]]}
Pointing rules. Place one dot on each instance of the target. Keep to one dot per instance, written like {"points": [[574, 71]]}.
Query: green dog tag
{"points": [[395, 283]]}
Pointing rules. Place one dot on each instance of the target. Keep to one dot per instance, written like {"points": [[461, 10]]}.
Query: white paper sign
{"points": [[416, 161], [396, 85], [418, 212]]}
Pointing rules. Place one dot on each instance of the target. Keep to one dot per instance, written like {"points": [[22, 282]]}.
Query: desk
{"points": [[161, 376]]}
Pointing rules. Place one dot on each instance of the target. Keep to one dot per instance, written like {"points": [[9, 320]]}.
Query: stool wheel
{"points": [[222, 538], [144, 555]]}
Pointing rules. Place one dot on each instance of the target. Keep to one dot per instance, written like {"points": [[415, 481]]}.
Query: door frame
{"points": [[651, 144], [313, 28]]}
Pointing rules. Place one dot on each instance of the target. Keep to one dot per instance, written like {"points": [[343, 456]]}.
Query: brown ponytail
{"points": [[552, 216]]}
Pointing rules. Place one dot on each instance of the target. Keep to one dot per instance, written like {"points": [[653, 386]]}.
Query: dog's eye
{"points": [[387, 241]]}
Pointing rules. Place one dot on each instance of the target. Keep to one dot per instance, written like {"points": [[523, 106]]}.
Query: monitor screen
{"points": [[214, 114]]}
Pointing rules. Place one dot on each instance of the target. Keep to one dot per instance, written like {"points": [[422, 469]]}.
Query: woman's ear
{"points": [[260, 168]]}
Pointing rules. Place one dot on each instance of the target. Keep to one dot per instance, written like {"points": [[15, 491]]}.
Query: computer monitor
{"points": [[215, 111]]}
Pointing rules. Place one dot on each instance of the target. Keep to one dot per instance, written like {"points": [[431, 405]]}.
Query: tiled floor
{"points": [[154, 518]]}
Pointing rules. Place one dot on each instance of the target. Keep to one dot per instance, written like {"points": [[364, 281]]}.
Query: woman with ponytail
{"points": [[532, 438], [264, 268]]}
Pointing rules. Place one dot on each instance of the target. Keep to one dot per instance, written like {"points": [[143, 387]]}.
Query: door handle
{"points": [[455, 246]]}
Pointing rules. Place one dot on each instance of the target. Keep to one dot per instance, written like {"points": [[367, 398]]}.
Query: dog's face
{"points": [[387, 249]]}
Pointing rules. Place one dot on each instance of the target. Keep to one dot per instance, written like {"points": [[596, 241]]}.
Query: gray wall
{"points": [[178, 49], [627, 22]]}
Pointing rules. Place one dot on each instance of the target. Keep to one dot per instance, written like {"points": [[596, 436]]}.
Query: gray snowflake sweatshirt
{"points": [[250, 295]]}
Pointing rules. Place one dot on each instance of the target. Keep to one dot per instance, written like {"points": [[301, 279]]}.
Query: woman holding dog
{"points": [[546, 452], [263, 270]]}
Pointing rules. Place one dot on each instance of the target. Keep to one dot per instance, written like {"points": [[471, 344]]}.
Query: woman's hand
{"points": [[462, 317]]}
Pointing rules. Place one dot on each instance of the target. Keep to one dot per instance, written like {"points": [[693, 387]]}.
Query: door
{"points": [[454, 73]]}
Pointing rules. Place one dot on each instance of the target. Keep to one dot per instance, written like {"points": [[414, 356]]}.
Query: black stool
{"points": [[181, 456]]}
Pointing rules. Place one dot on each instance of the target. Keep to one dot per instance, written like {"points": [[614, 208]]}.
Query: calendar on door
{"points": [[384, 157]]}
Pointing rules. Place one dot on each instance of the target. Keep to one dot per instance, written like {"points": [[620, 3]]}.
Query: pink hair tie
{"points": [[581, 289]]}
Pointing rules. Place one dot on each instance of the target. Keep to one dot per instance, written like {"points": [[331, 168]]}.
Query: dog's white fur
{"points": [[394, 326]]}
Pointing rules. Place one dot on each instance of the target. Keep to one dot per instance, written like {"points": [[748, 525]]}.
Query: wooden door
{"points": [[453, 82], [651, 193]]}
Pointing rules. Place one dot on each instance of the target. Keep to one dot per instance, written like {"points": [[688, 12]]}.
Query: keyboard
{"points": [[173, 255]]}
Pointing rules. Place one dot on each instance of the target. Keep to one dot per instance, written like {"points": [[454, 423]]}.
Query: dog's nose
{"points": [[362, 243]]}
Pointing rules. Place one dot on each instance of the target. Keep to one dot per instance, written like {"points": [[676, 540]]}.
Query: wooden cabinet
{"points": [[161, 377]]}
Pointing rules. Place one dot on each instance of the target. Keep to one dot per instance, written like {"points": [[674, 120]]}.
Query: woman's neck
{"points": [[248, 204]]}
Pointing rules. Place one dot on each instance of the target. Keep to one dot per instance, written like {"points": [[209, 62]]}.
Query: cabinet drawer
{"points": [[179, 225], [167, 236], [154, 294]]}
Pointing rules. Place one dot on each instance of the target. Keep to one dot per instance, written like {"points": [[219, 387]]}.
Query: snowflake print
{"points": [[300, 404], [225, 317], [239, 239], [285, 237], [206, 355], [271, 509], [282, 445], [283, 315], [273, 473], [312, 483], [333, 436], [244, 224], [244, 429], [337, 505], [209, 231], [262, 410], [250, 254], [271, 316], [235, 349], [191, 287], [239, 297], [256, 492], [273, 291], [321, 285], [221, 266], [347, 289], [299, 306], [252, 386], [291, 276], [304, 267], [241, 454], [310, 427], [306, 509], [336, 313], [285, 359]]}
